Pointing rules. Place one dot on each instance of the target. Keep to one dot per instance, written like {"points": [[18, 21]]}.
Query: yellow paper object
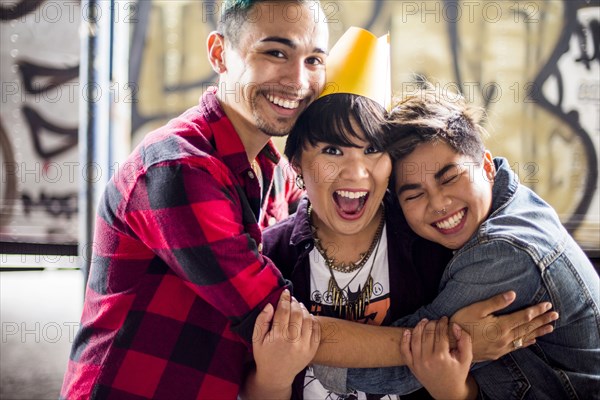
{"points": [[359, 63]]}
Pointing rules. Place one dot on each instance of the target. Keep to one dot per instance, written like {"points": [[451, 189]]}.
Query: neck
{"points": [[348, 247], [253, 139]]}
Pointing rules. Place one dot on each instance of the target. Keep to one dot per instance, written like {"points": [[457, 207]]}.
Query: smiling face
{"points": [[444, 195], [276, 68], [345, 184]]}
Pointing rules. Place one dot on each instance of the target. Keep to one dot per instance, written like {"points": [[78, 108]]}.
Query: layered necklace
{"points": [[353, 309]]}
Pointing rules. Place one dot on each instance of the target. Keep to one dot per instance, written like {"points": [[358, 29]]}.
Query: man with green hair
{"points": [[177, 278]]}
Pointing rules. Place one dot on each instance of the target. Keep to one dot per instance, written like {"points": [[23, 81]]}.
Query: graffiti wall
{"points": [[39, 68], [533, 65]]}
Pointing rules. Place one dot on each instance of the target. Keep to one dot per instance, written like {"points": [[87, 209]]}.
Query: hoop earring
{"points": [[300, 182]]}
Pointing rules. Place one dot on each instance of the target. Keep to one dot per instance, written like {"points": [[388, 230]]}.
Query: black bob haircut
{"points": [[329, 119]]}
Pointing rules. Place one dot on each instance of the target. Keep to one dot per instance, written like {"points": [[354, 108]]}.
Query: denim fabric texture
{"points": [[522, 246]]}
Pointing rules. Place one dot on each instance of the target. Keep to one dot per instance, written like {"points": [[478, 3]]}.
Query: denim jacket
{"points": [[522, 246], [415, 265]]}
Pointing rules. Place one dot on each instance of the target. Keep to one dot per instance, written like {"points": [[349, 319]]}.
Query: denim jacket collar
{"points": [[505, 185]]}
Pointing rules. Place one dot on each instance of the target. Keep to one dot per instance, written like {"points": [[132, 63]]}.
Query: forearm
{"points": [[262, 388], [354, 345]]}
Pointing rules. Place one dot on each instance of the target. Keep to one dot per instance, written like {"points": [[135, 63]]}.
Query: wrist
{"points": [[272, 382], [471, 388], [466, 391]]}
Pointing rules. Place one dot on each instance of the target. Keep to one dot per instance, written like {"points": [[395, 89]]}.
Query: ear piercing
{"points": [[300, 182]]}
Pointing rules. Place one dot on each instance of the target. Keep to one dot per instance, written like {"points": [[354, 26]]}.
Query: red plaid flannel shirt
{"points": [[177, 279]]}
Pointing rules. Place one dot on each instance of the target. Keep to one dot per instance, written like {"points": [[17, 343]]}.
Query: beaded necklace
{"points": [[354, 309]]}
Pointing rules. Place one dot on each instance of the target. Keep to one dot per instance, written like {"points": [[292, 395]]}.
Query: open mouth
{"points": [[350, 203], [283, 103], [451, 223]]}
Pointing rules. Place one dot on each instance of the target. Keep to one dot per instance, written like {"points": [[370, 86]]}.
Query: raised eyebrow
{"points": [[408, 186], [438, 175]]}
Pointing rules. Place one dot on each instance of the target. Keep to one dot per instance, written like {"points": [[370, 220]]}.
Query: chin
{"points": [[275, 131], [348, 227]]}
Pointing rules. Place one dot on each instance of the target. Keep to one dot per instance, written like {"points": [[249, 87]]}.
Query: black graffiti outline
{"points": [[9, 181], [56, 76], [550, 70], [37, 124], [18, 10], [580, 32], [138, 42]]}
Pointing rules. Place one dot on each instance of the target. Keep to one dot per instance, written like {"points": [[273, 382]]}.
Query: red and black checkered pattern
{"points": [[176, 279]]}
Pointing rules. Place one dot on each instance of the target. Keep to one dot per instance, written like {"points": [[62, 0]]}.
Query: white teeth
{"points": [[452, 221], [289, 104], [351, 195]]}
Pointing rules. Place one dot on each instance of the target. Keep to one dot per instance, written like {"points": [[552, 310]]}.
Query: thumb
{"points": [[497, 302], [262, 324], [463, 344]]}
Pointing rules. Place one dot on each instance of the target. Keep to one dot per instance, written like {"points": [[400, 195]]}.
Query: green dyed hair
{"points": [[235, 14]]}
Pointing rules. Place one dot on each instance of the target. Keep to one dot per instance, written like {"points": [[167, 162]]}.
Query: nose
{"points": [[298, 77], [354, 168], [438, 200]]}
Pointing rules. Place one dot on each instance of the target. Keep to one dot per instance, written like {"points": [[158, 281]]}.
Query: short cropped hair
{"points": [[430, 115], [329, 120], [235, 14]]}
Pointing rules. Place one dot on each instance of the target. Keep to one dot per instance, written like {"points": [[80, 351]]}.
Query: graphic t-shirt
{"points": [[352, 284]]}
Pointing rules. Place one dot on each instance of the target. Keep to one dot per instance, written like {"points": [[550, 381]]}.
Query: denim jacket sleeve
{"points": [[476, 273]]}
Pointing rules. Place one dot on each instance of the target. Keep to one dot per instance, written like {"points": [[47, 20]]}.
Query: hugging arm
{"points": [[470, 279], [285, 340]]}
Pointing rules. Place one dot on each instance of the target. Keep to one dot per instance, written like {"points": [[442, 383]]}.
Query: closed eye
{"points": [[450, 179], [413, 196]]}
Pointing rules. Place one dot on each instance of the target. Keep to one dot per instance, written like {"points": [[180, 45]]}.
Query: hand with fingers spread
{"points": [[284, 343], [443, 371], [494, 336]]}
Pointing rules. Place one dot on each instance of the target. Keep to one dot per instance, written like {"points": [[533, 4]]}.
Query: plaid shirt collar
{"points": [[228, 144]]}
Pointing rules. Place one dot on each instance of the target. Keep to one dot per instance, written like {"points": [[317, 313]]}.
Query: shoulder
{"points": [[277, 245], [492, 261], [279, 233], [524, 222], [181, 139], [288, 238]]}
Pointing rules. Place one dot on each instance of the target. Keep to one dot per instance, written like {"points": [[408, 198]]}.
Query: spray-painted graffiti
{"points": [[517, 59], [577, 51], [181, 81], [38, 125], [19, 9], [8, 193], [54, 205], [33, 74], [40, 57], [534, 65], [538, 83]]}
